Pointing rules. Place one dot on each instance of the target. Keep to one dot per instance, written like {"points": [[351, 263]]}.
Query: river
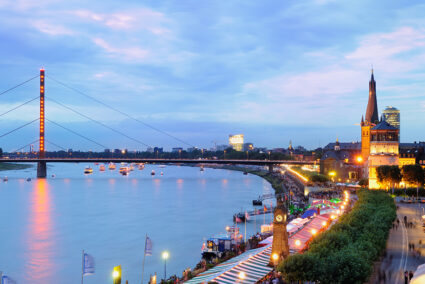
{"points": [[46, 223]]}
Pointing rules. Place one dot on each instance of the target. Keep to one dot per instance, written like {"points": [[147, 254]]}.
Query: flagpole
{"points": [[245, 229], [144, 256], [82, 270]]}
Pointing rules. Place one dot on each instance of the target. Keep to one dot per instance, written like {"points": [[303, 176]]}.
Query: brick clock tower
{"points": [[280, 246]]}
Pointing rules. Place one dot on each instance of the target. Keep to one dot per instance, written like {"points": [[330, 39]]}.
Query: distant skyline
{"points": [[201, 70]]}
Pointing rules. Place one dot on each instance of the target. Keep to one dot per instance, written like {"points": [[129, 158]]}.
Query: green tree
{"points": [[413, 174], [389, 176]]}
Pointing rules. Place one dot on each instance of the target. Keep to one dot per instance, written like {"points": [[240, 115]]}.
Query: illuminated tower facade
{"points": [[41, 165]]}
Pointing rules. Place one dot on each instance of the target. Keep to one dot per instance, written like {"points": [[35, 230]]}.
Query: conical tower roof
{"points": [[372, 104]]}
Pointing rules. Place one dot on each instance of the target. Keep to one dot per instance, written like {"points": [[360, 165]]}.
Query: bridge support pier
{"points": [[270, 168], [41, 170]]}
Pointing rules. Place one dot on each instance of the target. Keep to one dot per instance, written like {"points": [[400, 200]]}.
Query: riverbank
{"points": [[13, 166]]}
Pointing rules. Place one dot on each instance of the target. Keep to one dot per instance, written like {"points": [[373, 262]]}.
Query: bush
{"points": [[345, 253]]}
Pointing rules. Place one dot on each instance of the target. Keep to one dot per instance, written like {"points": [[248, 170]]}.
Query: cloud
{"points": [[146, 19], [51, 29], [127, 53]]}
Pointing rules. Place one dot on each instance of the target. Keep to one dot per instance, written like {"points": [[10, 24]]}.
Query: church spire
{"points": [[372, 104]]}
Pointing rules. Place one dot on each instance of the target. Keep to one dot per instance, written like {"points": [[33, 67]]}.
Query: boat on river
{"points": [[124, 170], [152, 173], [88, 170], [102, 168], [112, 166], [141, 166], [217, 245]]}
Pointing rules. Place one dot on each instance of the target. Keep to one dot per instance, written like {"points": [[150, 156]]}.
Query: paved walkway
{"points": [[399, 257]]}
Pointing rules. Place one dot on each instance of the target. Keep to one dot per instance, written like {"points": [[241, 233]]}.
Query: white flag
{"points": [[88, 264]]}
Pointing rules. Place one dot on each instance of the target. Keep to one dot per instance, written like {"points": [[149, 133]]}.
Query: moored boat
{"points": [[152, 173], [112, 166], [102, 168]]}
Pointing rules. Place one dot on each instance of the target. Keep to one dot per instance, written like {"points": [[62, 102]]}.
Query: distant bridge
{"points": [[156, 161]]}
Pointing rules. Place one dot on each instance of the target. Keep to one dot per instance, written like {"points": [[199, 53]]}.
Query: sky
{"points": [[200, 70]]}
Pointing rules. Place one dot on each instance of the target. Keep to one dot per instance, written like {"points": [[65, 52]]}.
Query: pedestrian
{"points": [[398, 222], [406, 277], [405, 219], [410, 275]]}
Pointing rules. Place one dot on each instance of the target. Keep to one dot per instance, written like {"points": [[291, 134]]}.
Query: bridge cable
{"points": [[121, 112], [54, 144], [20, 84], [76, 133], [100, 123], [25, 146], [22, 126], [27, 102]]}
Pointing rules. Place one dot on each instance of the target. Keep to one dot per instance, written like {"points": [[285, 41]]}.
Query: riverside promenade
{"points": [[399, 255]]}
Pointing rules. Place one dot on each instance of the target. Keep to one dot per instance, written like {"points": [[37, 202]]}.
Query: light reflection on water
{"points": [[39, 239], [45, 224]]}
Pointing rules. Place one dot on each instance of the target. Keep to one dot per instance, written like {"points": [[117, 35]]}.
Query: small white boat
{"points": [[162, 173], [152, 173], [111, 166], [201, 168], [141, 166], [102, 168], [5, 179], [124, 170]]}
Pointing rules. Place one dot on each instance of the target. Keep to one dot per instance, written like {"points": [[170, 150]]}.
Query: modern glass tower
{"points": [[392, 116]]}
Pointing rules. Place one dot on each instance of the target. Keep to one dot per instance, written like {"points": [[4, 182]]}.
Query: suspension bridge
{"points": [[42, 160]]}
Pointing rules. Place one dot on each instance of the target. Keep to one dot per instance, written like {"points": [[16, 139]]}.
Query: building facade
{"points": [[392, 116], [384, 150], [236, 142]]}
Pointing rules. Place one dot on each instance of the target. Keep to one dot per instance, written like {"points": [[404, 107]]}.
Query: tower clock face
{"points": [[279, 218]]}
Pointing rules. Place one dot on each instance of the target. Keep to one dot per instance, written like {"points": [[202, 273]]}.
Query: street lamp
{"points": [[332, 175], [116, 274], [275, 258], [224, 155], [165, 256], [269, 155], [313, 232], [297, 243]]}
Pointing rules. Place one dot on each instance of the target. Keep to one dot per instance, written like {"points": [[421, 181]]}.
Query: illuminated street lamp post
{"points": [[275, 258], [359, 161], [269, 155], [165, 256], [224, 155], [332, 175], [180, 153], [247, 155]]}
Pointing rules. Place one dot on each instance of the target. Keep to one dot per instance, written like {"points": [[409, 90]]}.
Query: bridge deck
{"points": [[153, 160]]}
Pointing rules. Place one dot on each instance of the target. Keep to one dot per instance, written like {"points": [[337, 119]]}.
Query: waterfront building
{"points": [[384, 150], [371, 118], [236, 142], [340, 161], [176, 149]]}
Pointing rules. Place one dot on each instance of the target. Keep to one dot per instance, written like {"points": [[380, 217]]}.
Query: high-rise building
{"points": [[236, 142], [392, 116], [371, 118]]}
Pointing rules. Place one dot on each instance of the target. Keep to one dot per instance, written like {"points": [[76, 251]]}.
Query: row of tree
{"points": [[346, 252], [391, 176]]}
